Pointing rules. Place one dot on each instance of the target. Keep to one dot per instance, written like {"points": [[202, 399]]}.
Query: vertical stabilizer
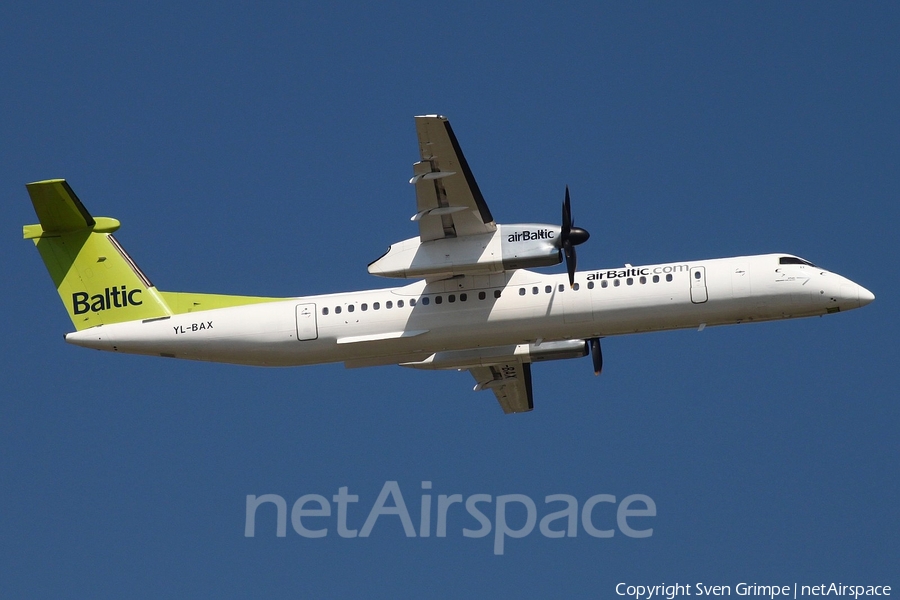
{"points": [[96, 279]]}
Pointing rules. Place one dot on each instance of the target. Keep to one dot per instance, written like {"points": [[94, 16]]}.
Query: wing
{"points": [[510, 382], [448, 201], [498, 369]]}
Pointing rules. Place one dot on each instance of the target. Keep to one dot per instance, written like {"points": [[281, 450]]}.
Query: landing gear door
{"points": [[698, 285], [306, 322]]}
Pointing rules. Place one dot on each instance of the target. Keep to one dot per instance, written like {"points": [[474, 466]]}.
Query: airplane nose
{"points": [[865, 296]]}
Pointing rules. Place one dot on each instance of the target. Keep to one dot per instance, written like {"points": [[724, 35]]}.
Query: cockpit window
{"points": [[793, 260]]}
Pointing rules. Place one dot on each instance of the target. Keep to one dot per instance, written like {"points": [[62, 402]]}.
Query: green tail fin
{"points": [[96, 279]]}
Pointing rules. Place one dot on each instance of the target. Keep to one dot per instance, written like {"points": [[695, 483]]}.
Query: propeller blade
{"points": [[571, 261], [596, 355], [569, 237]]}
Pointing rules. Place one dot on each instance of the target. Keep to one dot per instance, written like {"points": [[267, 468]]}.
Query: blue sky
{"points": [[265, 150]]}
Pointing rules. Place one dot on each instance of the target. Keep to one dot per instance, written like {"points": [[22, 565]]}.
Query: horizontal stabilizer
{"points": [[58, 208]]}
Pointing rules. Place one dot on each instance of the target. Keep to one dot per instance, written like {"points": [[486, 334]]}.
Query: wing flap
{"points": [[444, 180], [510, 382]]}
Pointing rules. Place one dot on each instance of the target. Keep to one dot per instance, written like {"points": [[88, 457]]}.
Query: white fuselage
{"points": [[410, 323]]}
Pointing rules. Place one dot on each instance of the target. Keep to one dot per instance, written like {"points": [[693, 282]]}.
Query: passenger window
{"points": [[412, 301], [337, 310], [425, 300], [562, 288], [482, 295], [364, 306], [376, 306], [389, 304], [630, 281], [351, 308], [590, 285], [325, 310], [575, 287], [521, 291], [669, 277], [463, 297], [616, 283], [548, 289], [438, 299], [604, 283], [399, 303], [451, 298], [643, 280], [696, 274], [535, 290], [656, 279], [496, 293]]}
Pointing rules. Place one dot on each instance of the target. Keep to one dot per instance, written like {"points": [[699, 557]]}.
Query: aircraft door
{"points": [[306, 322], [698, 285]]}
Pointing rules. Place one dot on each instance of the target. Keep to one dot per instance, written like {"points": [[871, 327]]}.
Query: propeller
{"points": [[569, 237], [596, 354]]}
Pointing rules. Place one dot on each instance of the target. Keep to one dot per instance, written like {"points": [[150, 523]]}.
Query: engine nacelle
{"points": [[509, 247]]}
